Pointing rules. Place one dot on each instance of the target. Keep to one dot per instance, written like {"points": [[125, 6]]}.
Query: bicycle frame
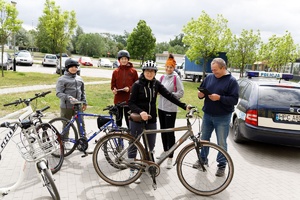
{"points": [[78, 118]]}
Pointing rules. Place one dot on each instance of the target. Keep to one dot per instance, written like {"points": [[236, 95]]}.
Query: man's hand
{"points": [[126, 89], [200, 95], [84, 106], [214, 97]]}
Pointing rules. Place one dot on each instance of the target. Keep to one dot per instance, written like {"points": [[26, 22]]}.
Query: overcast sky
{"points": [[166, 18]]}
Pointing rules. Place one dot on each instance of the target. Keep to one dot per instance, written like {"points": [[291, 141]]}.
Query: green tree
{"points": [[141, 42], [57, 26], [74, 40], [9, 24], [177, 40], [161, 47], [91, 44], [279, 51], [206, 37], [244, 49]]}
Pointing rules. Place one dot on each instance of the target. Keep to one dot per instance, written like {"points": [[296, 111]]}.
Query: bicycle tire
{"points": [[59, 123], [119, 148], [49, 183], [110, 172], [55, 159], [199, 182]]}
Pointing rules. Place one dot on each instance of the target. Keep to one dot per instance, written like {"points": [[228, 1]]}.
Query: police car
{"points": [[268, 109]]}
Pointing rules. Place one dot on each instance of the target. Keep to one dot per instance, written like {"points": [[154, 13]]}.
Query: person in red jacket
{"points": [[122, 79]]}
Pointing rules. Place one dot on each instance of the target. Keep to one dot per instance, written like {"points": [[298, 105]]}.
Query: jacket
{"points": [[70, 85], [123, 76], [144, 94], [168, 82], [225, 86]]}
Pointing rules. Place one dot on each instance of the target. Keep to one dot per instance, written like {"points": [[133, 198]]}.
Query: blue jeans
{"points": [[221, 126]]}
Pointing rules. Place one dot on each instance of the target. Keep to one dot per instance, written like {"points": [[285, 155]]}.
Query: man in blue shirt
{"points": [[218, 108]]}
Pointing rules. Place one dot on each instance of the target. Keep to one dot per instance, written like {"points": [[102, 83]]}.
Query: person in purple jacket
{"points": [[218, 108]]}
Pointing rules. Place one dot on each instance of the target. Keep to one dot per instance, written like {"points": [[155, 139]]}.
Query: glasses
{"points": [[150, 71]]}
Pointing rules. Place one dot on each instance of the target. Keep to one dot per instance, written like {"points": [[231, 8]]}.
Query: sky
{"points": [[166, 18]]}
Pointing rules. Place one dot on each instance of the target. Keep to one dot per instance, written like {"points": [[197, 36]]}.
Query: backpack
{"points": [[175, 85]]}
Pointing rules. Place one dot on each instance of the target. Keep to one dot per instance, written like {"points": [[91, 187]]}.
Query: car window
{"points": [[24, 54], [51, 57], [278, 96]]}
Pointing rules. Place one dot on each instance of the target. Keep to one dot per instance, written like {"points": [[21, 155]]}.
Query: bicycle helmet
{"points": [[149, 64], [123, 53], [71, 62]]}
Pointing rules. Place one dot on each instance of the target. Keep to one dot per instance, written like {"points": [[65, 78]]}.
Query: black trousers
{"points": [[122, 111], [167, 120]]}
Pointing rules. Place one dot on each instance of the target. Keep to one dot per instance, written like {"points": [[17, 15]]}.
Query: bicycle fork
{"points": [[198, 147]]}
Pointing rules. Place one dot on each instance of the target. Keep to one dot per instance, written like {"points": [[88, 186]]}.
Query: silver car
{"points": [[24, 58], [7, 61], [50, 60]]}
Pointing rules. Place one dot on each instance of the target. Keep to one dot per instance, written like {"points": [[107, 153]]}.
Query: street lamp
{"points": [[14, 64]]}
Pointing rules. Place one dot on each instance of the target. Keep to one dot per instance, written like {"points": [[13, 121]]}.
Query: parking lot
{"points": [[261, 172]]}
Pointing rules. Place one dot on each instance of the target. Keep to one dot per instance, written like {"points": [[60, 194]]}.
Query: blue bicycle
{"points": [[69, 133]]}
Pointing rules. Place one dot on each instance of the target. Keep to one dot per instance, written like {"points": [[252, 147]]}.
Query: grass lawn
{"points": [[98, 96]]}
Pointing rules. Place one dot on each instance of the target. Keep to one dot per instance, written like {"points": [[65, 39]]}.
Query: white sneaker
{"points": [[90, 150], [132, 173], [169, 163], [161, 155], [68, 145]]}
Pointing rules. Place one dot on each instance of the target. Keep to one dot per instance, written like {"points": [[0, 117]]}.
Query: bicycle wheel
{"points": [[49, 183], [119, 146], [114, 166], [69, 137], [55, 160], [201, 182]]}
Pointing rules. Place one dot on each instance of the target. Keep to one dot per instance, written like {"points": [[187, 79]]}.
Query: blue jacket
{"points": [[227, 87]]}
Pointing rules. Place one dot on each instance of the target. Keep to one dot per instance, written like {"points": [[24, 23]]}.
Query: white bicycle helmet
{"points": [[149, 64]]}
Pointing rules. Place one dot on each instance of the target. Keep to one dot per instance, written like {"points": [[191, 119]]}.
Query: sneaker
{"points": [[68, 145], [131, 174], [161, 155], [90, 150], [197, 165], [220, 172], [169, 163]]}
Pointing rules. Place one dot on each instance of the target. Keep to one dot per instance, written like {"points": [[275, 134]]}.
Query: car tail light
{"points": [[251, 117]]}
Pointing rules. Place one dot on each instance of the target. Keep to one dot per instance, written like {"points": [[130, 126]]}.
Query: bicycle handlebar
{"points": [[114, 107], [27, 101]]}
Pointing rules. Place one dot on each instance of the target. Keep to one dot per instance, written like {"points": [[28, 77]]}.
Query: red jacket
{"points": [[123, 76]]}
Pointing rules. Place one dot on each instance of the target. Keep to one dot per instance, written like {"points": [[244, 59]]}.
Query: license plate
{"points": [[287, 117]]}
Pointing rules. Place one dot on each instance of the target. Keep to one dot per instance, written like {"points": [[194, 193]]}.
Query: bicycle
{"points": [[69, 133], [36, 141], [201, 180], [28, 117]]}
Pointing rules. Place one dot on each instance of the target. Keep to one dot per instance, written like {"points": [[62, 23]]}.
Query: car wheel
{"points": [[237, 136]]}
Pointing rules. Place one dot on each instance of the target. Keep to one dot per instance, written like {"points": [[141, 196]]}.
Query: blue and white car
{"points": [[268, 109]]}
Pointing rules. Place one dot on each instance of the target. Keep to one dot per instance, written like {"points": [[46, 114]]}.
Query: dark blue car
{"points": [[268, 109]]}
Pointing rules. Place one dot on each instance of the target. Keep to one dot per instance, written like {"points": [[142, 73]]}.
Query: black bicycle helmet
{"points": [[123, 53], [71, 62], [149, 64]]}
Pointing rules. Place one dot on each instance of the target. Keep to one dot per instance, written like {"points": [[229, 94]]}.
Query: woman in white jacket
{"points": [[167, 111]]}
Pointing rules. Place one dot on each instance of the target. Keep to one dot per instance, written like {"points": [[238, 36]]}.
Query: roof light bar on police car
{"points": [[251, 74]]}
